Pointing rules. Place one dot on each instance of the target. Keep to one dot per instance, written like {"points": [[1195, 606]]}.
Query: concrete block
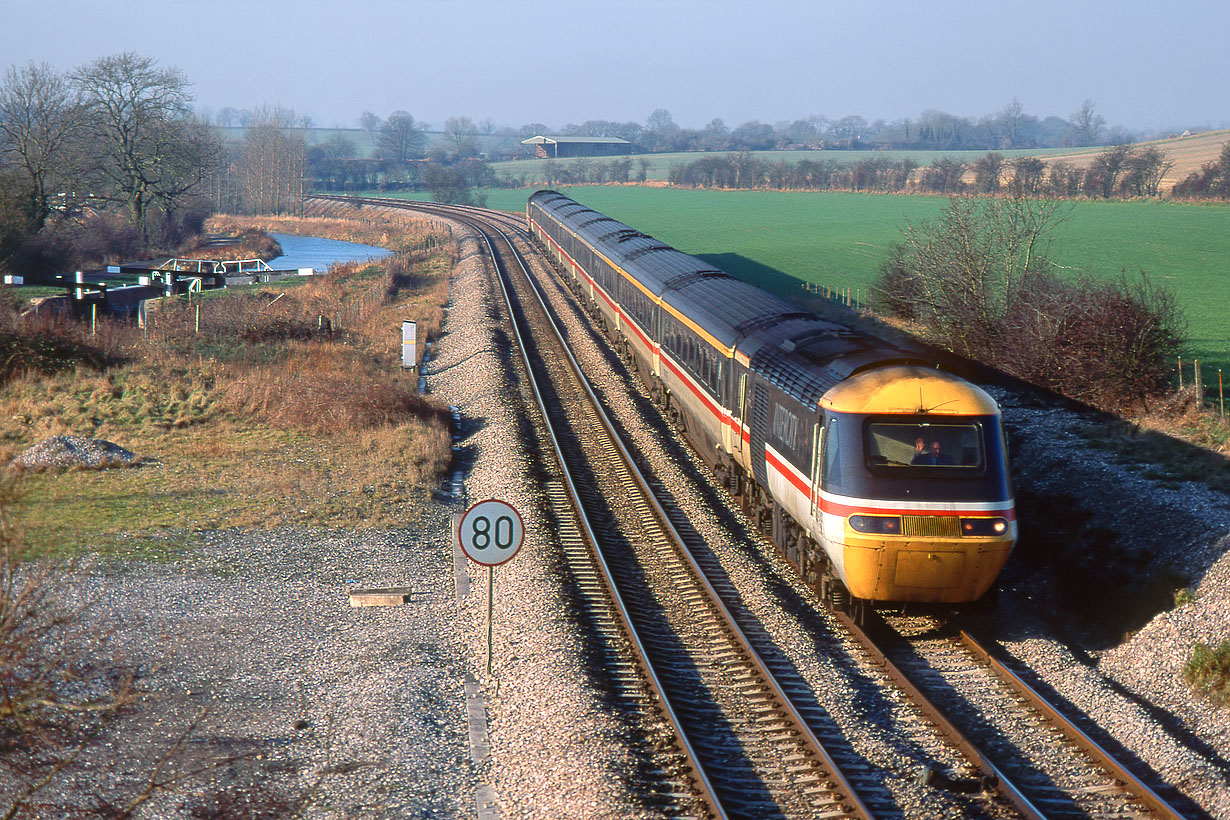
{"points": [[383, 596]]}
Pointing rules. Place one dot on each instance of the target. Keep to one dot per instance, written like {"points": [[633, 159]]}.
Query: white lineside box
{"points": [[408, 344]]}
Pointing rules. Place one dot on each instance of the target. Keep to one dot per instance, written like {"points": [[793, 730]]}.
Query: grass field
{"points": [[839, 240]]}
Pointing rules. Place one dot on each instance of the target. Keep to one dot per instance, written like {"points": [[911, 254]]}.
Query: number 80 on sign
{"points": [[490, 532]]}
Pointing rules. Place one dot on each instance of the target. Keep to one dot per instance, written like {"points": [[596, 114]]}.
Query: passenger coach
{"points": [[816, 426]]}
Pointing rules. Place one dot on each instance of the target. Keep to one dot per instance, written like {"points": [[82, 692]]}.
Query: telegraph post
{"points": [[490, 533]]}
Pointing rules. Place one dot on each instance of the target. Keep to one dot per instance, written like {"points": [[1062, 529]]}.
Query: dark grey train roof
{"points": [[726, 307], [799, 352]]}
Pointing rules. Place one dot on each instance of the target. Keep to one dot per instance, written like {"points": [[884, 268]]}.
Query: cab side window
{"points": [[831, 477]]}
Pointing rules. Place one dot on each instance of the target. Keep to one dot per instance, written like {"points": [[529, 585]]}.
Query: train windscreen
{"points": [[955, 447]]}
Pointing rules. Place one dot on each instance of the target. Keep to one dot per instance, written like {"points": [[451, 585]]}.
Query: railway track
{"points": [[1024, 745], [752, 751], [731, 704]]}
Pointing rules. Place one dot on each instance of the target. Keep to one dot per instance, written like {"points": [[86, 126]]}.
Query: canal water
{"points": [[318, 254]]}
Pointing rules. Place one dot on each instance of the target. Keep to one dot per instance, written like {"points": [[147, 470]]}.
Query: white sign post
{"points": [[490, 533]]}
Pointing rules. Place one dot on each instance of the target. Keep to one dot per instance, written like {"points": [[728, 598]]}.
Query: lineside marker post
{"points": [[490, 533], [409, 346]]}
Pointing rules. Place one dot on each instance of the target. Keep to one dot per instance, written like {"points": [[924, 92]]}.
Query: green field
{"points": [[839, 240]]}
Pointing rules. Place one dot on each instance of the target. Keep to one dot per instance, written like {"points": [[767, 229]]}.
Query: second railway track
{"points": [[754, 753]]}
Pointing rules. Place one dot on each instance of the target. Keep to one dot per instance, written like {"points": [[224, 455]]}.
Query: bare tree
{"points": [[136, 114], [943, 175], [987, 170], [1103, 175], [960, 274], [1143, 173], [460, 133], [660, 131], [370, 123], [1012, 122], [642, 169], [401, 138], [39, 118], [272, 163], [1084, 125], [1027, 174]]}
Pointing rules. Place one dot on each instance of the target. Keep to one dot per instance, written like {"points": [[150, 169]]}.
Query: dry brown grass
{"points": [[257, 412]]}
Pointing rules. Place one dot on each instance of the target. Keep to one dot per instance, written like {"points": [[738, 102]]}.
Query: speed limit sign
{"points": [[490, 532]]}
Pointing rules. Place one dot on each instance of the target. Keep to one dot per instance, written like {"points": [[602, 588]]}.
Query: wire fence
{"points": [[1205, 400]]}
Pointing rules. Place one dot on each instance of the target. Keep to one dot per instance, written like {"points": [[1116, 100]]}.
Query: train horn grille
{"points": [[931, 526]]}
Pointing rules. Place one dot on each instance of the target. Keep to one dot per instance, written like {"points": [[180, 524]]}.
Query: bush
{"points": [[1109, 344], [1208, 671], [977, 282]]}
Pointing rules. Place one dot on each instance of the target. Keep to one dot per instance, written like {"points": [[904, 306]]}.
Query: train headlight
{"points": [[984, 526], [876, 524]]}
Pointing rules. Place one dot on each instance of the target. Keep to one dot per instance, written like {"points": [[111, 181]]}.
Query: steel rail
{"points": [[992, 776], [1131, 783], [767, 676], [707, 792], [852, 802]]}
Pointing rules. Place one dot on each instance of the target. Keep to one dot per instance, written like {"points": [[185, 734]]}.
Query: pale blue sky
{"points": [[1147, 65]]}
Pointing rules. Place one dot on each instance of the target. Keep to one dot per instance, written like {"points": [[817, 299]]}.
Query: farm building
{"points": [[553, 147]]}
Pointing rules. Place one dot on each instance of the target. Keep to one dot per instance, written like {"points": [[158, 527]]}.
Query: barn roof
{"points": [[541, 140]]}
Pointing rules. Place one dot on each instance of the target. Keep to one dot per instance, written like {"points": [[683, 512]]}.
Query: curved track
{"points": [[752, 750]]}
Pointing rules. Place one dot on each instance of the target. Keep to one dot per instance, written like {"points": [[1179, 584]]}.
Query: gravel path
{"points": [[256, 627]]}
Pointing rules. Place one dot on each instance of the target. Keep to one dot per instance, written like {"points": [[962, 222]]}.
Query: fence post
{"points": [[1199, 384], [1180, 372]]}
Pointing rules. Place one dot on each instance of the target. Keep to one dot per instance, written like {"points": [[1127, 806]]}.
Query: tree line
{"points": [[107, 157], [1212, 181], [1121, 171], [1011, 127], [396, 144]]}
